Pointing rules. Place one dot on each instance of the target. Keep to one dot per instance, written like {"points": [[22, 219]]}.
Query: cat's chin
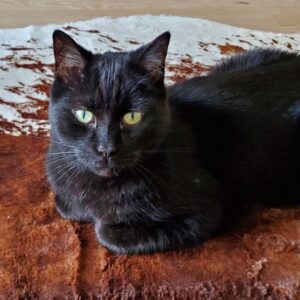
{"points": [[108, 172], [105, 172]]}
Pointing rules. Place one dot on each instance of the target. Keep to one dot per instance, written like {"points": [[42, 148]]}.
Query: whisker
{"points": [[53, 141], [76, 171], [67, 168], [55, 158], [58, 169], [28, 164], [56, 153]]}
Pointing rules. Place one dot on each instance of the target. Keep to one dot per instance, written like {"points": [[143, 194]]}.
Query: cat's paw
{"points": [[108, 238], [70, 212], [126, 239]]}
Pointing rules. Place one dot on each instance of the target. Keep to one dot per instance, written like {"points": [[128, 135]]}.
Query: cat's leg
{"points": [[174, 234], [70, 210]]}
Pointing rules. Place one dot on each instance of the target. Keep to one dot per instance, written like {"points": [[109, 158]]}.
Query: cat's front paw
{"points": [[138, 239], [174, 233], [70, 211], [112, 238]]}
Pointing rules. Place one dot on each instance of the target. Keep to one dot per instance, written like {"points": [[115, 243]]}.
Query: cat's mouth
{"points": [[105, 172], [103, 169], [108, 171]]}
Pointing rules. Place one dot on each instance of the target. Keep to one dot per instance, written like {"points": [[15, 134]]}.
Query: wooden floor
{"points": [[270, 15]]}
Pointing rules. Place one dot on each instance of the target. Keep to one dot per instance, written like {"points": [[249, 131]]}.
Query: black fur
{"points": [[202, 148]]}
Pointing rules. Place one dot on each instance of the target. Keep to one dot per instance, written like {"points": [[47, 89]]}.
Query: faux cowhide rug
{"points": [[45, 257]]}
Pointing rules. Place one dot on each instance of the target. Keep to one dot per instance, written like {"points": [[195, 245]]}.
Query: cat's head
{"points": [[112, 107]]}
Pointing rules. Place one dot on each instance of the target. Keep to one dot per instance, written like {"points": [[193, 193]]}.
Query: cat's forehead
{"points": [[113, 81], [115, 85], [110, 64], [109, 78]]}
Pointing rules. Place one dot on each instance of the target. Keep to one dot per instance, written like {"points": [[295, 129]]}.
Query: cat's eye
{"points": [[84, 116], [132, 118]]}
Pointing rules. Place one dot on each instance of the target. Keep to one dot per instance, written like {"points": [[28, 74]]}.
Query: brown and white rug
{"points": [[45, 257]]}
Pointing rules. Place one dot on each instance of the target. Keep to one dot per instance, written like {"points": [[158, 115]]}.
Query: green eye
{"points": [[132, 118], [84, 116]]}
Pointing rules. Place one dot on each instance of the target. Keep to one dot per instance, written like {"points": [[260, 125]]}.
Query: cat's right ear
{"points": [[70, 58]]}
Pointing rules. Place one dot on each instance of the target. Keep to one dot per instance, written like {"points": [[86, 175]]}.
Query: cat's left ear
{"points": [[152, 56], [70, 58]]}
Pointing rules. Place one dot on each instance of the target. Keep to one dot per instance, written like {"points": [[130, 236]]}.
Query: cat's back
{"points": [[252, 59], [260, 77], [247, 117], [252, 87]]}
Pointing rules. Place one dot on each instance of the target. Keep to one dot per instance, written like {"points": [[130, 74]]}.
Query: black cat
{"points": [[158, 169]]}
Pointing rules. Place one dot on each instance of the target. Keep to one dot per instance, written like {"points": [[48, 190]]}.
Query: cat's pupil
{"points": [[132, 115], [83, 114]]}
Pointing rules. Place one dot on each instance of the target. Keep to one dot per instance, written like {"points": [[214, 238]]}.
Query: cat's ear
{"points": [[70, 58], [152, 56]]}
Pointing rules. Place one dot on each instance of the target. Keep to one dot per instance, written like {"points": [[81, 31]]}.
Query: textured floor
{"points": [[43, 256]]}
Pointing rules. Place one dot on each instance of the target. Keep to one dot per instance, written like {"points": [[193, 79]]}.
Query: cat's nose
{"points": [[106, 151]]}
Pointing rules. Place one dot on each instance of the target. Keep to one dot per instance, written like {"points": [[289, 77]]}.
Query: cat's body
{"points": [[206, 145], [247, 113]]}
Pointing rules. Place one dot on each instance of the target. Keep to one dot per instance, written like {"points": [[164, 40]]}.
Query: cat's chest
{"points": [[119, 200]]}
